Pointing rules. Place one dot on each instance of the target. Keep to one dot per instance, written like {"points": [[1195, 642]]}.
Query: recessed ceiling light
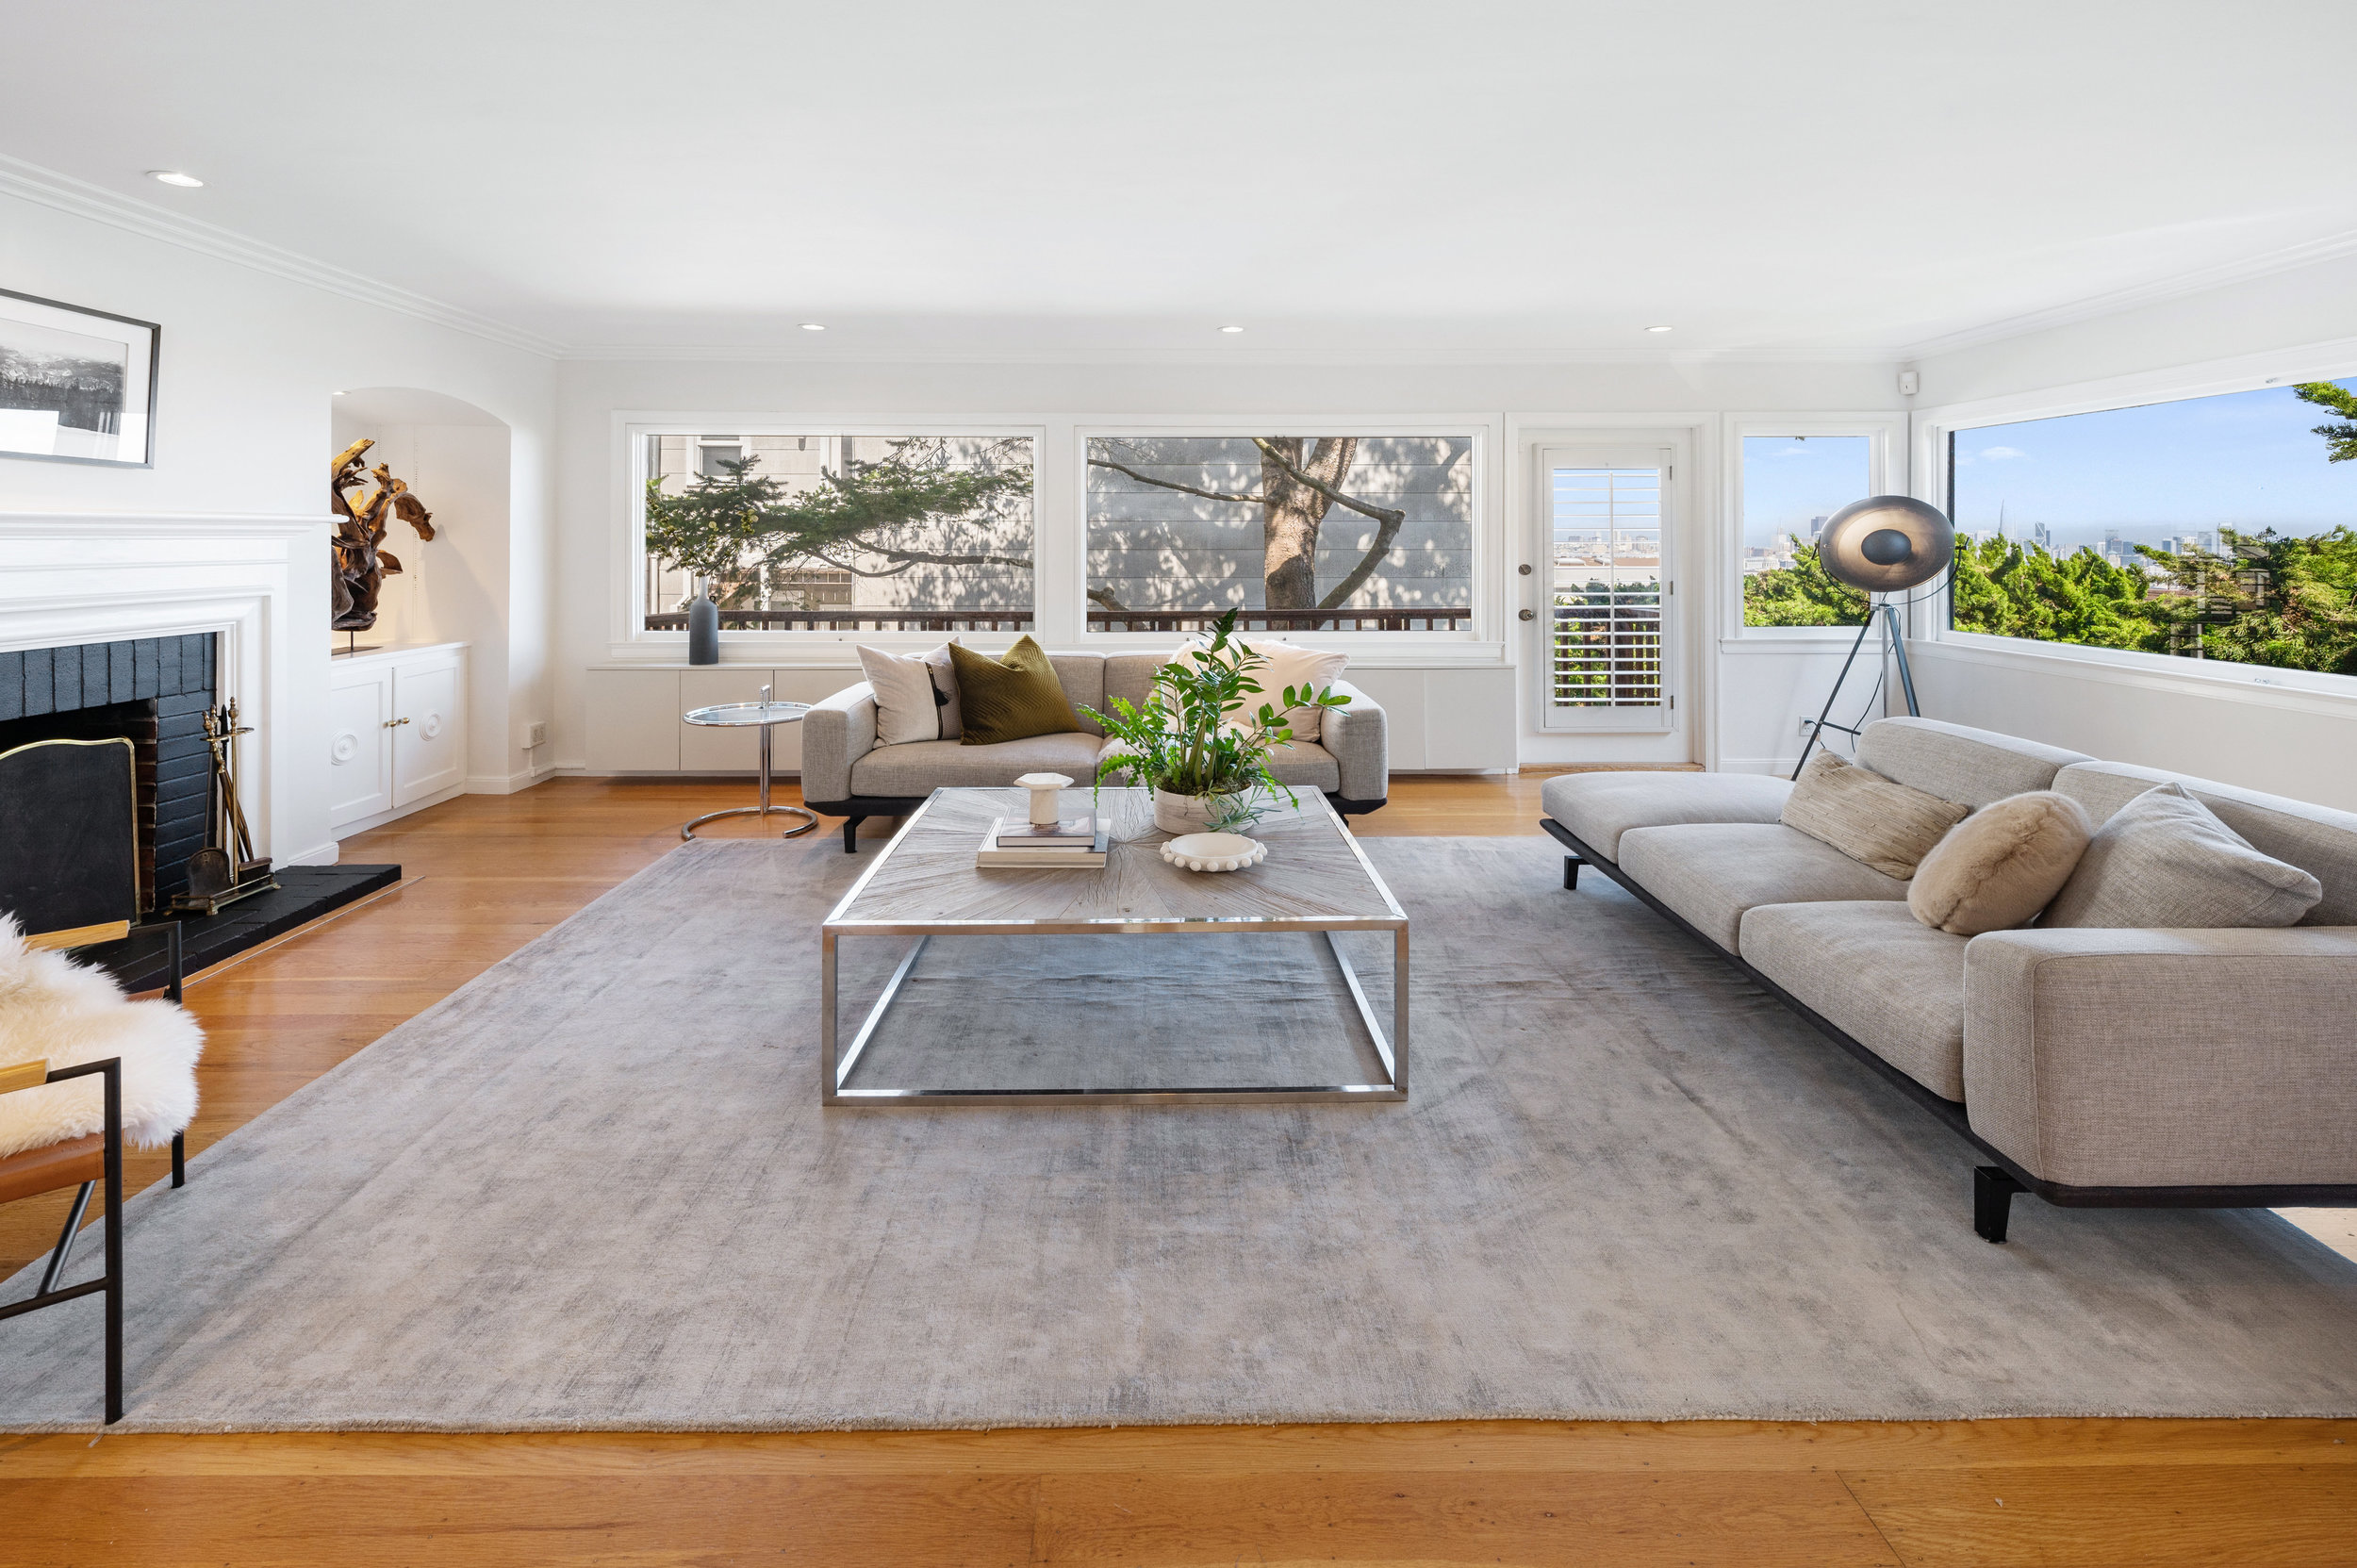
{"points": [[1662, 329], [1232, 329], [173, 176], [814, 327]]}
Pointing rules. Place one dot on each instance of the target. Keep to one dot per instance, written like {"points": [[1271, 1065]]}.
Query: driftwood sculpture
{"points": [[360, 563]]}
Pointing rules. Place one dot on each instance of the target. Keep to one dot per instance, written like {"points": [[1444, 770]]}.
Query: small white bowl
{"points": [[1214, 851]]}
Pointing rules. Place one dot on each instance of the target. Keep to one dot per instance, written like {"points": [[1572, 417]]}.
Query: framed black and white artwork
{"points": [[76, 386]]}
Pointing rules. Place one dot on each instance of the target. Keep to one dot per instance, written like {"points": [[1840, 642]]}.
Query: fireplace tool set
{"points": [[227, 869]]}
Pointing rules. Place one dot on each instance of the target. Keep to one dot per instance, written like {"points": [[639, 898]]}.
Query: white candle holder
{"points": [[1045, 788]]}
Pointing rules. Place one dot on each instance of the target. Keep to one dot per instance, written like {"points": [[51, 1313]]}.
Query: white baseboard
{"points": [[318, 854], [1779, 766], [508, 784], [362, 824]]}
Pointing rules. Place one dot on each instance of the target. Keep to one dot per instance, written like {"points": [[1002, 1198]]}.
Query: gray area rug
{"points": [[595, 1189]]}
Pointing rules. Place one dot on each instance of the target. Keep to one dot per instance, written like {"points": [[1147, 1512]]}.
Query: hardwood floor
{"points": [[485, 874]]}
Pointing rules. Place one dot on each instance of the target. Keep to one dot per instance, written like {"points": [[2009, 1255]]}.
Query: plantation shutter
{"points": [[1607, 595]]}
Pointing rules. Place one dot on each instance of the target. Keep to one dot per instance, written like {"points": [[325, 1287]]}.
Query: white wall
{"points": [[2254, 729], [248, 368], [1748, 704]]}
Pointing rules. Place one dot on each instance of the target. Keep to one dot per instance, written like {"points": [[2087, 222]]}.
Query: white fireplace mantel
{"points": [[260, 582]]}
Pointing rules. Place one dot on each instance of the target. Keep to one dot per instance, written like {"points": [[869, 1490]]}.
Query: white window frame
{"points": [[1933, 426], [630, 641], [1483, 640], [1887, 470]]}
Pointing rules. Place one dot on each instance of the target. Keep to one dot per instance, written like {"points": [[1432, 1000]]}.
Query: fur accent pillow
{"points": [[1282, 665], [1999, 866], [2165, 862], [1874, 821], [53, 1008], [911, 702]]}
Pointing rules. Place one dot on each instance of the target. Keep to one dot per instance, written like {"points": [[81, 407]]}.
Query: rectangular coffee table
{"points": [[926, 884]]}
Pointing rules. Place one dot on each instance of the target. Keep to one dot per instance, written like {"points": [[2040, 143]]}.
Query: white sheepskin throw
{"points": [[54, 1008]]}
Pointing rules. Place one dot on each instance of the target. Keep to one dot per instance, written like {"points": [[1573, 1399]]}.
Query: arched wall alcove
{"points": [[460, 586], [454, 457]]}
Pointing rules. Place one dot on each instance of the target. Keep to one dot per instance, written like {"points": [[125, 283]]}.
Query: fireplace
{"points": [[151, 691]]}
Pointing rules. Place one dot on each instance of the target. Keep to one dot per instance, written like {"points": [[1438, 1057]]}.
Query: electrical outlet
{"points": [[1807, 724], [536, 733]]}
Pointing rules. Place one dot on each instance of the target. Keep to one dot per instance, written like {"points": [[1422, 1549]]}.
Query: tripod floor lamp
{"points": [[1885, 544]]}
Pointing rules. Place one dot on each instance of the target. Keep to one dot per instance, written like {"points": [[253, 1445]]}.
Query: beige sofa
{"points": [[2201, 1068], [844, 774]]}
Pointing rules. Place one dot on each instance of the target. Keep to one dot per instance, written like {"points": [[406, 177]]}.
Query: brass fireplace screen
{"points": [[69, 861]]}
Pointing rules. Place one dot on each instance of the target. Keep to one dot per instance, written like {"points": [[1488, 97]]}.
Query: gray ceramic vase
{"points": [[703, 630]]}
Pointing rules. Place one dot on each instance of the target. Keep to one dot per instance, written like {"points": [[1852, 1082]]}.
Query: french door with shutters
{"points": [[1606, 637]]}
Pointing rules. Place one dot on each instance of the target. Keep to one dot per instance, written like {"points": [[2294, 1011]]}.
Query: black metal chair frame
{"points": [[172, 994], [51, 1294], [1993, 1185]]}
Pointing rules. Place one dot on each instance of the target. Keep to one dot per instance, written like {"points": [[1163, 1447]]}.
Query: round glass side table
{"points": [[766, 715]]}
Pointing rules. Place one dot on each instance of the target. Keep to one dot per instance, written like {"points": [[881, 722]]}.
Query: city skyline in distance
{"points": [[2244, 460]]}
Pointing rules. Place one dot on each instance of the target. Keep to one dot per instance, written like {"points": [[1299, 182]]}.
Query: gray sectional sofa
{"points": [[2197, 1068], [844, 774]]}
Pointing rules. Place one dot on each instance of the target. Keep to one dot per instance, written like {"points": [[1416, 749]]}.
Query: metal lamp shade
{"points": [[1887, 543]]}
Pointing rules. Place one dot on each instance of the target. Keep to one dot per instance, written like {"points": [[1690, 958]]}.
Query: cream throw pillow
{"points": [[1872, 819], [2165, 862], [915, 695], [1282, 665], [1999, 866]]}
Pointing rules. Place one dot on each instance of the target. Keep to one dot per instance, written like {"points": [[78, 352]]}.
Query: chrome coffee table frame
{"points": [[837, 1063], [739, 716]]}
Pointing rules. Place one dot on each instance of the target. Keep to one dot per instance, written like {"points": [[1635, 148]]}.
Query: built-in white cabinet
{"points": [[396, 732], [1443, 720], [637, 717]]}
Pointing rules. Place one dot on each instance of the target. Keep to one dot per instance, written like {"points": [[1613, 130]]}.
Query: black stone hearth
{"points": [[305, 893]]}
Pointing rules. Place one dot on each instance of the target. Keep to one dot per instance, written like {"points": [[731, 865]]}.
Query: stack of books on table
{"points": [[1075, 844]]}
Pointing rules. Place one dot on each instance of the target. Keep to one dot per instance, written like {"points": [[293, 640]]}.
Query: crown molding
{"points": [[81, 199], [2331, 247], [766, 355]]}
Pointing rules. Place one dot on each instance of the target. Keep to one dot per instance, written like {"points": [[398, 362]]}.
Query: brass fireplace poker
{"points": [[227, 869]]}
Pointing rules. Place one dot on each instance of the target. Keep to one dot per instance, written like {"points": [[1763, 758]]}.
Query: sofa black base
{"points": [[859, 808], [1993, 1185]]}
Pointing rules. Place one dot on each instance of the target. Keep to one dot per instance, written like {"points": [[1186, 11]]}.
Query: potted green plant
{"points": [[1200, 744]]}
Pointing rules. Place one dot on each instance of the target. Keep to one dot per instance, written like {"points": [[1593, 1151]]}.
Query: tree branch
{"points": [[1381, 514], [1385, 532], [1174, 485], [915, 557], [1105, 599], [909, 558], [844, 565]]}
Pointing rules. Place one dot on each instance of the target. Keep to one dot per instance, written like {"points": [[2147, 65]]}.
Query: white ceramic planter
{"points": [[1181, 814]]}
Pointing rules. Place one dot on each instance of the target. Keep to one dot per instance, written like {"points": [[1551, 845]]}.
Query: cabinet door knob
{"points": [[390, 722], [1530, 615]]}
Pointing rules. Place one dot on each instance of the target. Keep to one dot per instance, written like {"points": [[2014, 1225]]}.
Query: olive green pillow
{"points": [[1010, 699]]}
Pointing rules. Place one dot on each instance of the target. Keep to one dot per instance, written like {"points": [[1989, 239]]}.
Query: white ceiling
{"points": [[1034, 179]]}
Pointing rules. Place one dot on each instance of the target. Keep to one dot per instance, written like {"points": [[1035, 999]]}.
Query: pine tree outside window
{"points": [[2214, 528]]}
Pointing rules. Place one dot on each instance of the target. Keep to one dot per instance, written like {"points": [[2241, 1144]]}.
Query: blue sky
{"points": [[2244, 460], [1789, 480]]}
